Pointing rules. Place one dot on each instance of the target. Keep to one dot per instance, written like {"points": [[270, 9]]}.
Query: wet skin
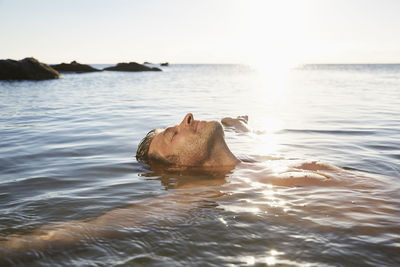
{"points": [[197, 144], [192, 143]]}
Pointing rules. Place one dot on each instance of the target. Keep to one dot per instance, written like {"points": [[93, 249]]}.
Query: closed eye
{"points": [[173, 134], [170, 133]]}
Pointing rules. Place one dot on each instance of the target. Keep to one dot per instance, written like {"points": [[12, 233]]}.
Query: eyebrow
{"points": [[168, 130]]}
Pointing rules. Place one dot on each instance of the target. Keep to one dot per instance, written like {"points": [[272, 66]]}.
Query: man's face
{"points": [[186, 144]]}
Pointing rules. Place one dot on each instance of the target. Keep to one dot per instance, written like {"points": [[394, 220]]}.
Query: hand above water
{"points": [[239, 123]]}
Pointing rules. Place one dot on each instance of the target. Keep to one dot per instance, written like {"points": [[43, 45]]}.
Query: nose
{"points": [[188, 120]]}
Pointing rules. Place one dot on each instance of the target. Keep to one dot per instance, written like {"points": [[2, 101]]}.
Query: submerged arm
{"points": [[112, 224]]}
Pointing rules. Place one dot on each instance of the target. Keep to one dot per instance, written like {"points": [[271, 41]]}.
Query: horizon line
{"points": [[249, 64], [219, 63]]}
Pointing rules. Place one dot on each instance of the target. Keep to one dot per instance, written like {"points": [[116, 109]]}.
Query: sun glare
{"points": [[272, 33]]}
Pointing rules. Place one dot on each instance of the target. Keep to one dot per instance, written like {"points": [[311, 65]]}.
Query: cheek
{"points": [[189, 148], [160, 148]]}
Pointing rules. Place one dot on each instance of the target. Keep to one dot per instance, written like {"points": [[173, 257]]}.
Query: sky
{"points": [[209, 31]]}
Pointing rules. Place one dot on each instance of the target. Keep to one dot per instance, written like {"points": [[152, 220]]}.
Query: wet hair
{"points": [[142, 153]]}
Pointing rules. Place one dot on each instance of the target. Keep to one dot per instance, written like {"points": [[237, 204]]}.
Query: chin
{"points": [[214, 129]]}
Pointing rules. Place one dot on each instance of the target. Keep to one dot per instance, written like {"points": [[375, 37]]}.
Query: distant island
{"points": [[74, 67], [131, 66], [161, 64], [32, 69]]}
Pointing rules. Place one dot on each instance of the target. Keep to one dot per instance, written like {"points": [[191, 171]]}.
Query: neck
{"points": [[221, 155]]}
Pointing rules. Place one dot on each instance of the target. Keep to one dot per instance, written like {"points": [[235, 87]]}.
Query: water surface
{"points": [[324, 190]]}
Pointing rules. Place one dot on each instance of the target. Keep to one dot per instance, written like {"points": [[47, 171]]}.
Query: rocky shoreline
{"points": [[32, 69], [26, 69]]}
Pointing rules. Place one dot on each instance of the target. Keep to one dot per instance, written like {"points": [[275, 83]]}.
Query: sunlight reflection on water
{"points": [[67, 155]]}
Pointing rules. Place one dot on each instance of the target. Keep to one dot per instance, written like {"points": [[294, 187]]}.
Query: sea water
{"points": [[322, 187]]}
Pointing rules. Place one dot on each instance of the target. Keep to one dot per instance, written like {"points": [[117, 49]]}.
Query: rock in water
{"points": [[26, 69], [74, 67], [132, 66]]}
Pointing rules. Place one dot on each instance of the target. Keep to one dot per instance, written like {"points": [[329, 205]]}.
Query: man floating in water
{"points": [[189, 146]]}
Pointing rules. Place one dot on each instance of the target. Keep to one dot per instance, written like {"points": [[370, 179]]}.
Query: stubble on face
{"points": [[192, 147], [199, 146]]}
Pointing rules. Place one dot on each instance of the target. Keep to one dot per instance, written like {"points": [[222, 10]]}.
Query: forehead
{"points": [[159, 143]]}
